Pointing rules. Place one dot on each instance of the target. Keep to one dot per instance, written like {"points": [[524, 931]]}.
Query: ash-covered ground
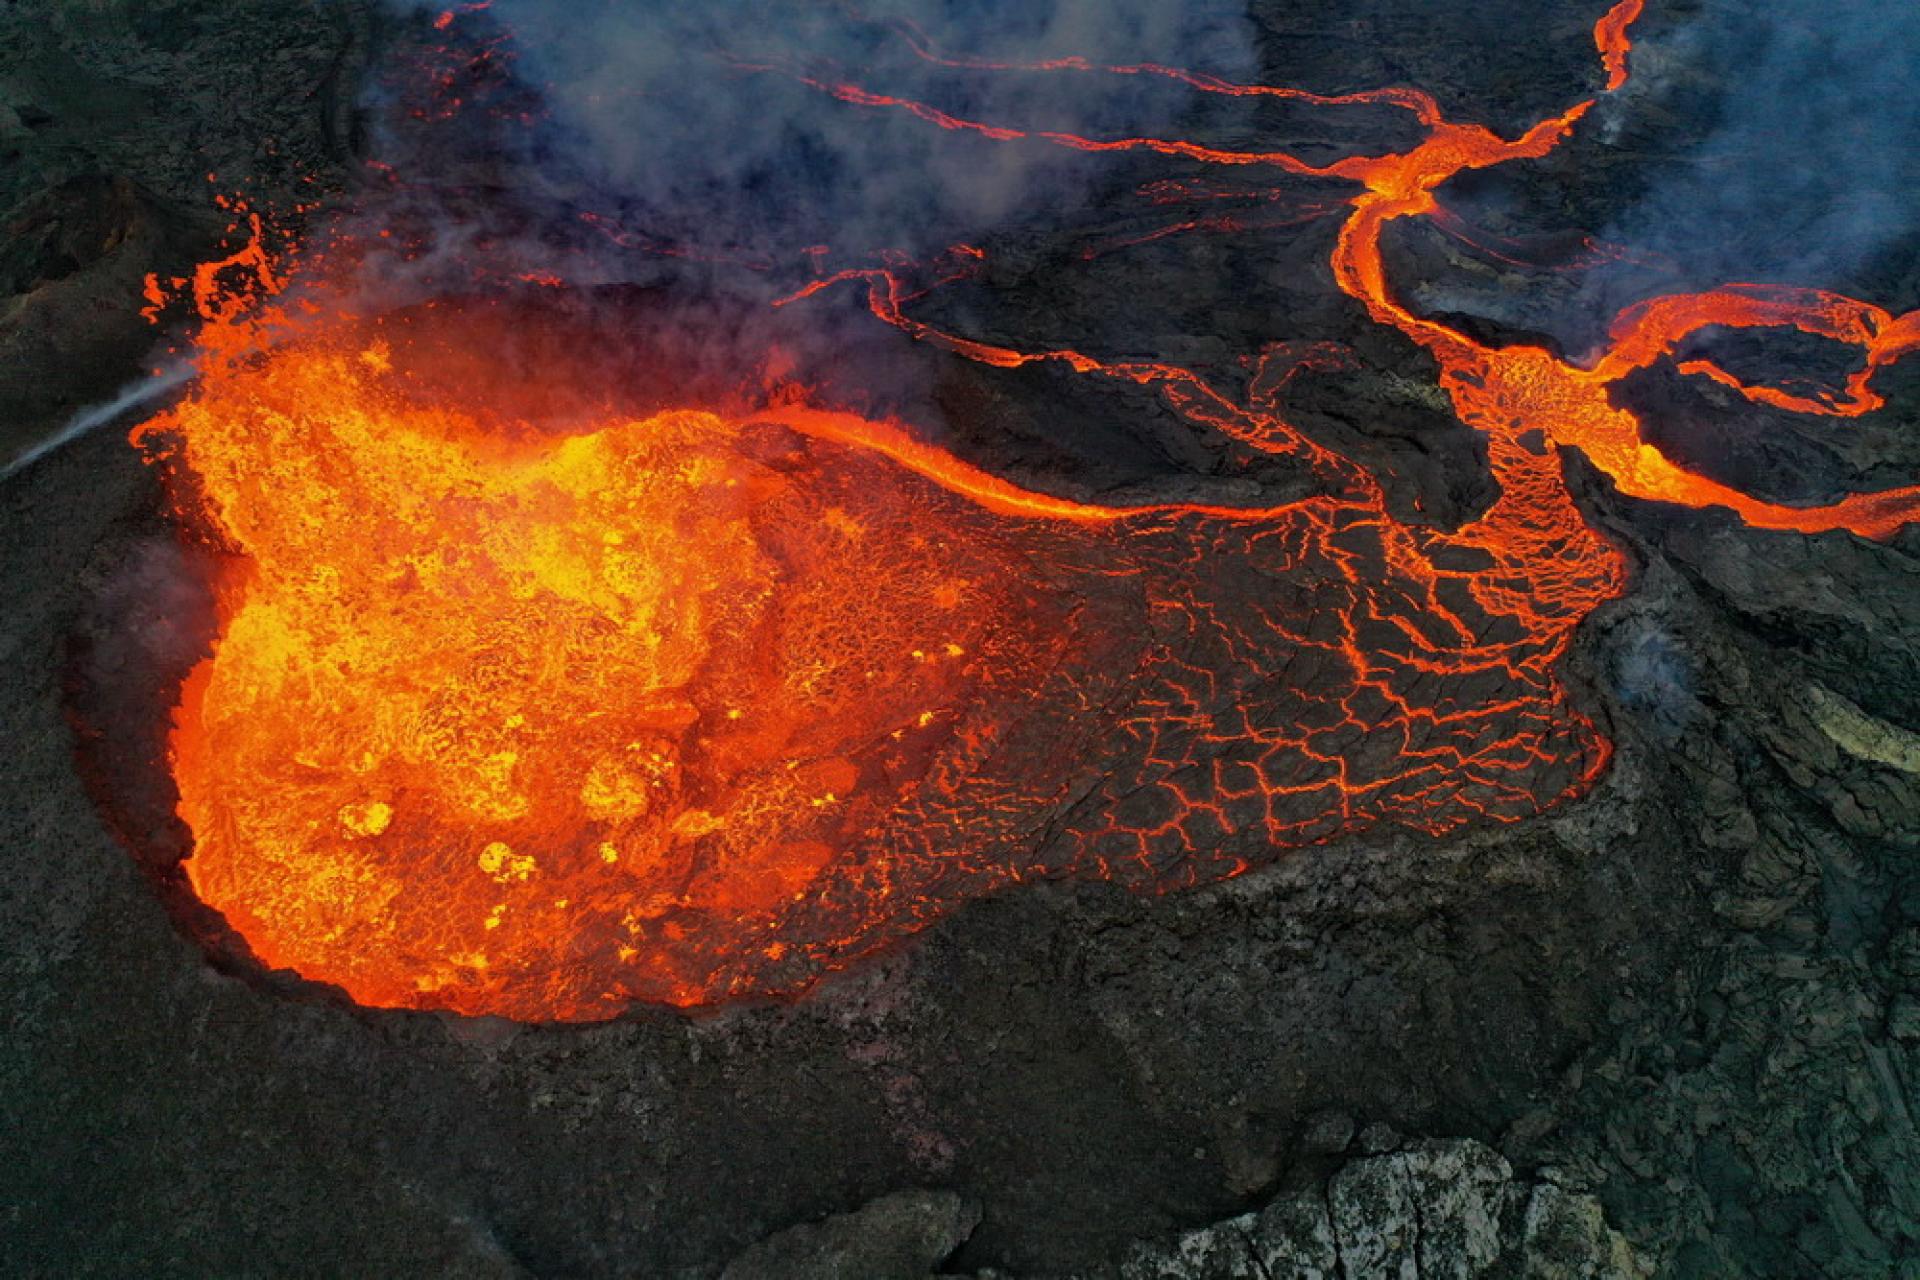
{"points": [[1670, 1028]]}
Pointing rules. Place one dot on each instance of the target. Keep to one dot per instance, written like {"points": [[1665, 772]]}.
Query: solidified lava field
{"points": [[1101, 620]]}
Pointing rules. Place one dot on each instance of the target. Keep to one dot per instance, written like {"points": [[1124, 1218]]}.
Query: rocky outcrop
{"points": [[1434, 1211], [907, 1234], [1440, 1210]]}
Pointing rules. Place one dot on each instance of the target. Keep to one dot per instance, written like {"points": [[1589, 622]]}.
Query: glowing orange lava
{"points": [[477, 699], [687, 707]]}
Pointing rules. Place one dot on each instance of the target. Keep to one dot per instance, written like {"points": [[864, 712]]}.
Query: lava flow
{"points": [[693, 706]]}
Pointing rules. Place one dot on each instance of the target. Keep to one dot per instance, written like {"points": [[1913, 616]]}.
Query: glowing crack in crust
{"points": [[696, 708]]}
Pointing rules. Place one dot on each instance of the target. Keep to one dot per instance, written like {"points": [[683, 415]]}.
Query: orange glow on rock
{"points": [[697, 706]]}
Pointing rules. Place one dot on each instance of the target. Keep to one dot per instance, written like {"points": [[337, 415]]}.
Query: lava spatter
{"points": [[695, 705]]}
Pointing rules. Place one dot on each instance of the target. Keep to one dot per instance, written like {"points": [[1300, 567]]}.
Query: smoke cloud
{"points": [[1808, 173], [690, 130], [133, 396]]}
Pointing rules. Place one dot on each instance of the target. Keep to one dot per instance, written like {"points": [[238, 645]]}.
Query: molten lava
{"points": [[689, 707], [538, 726]]}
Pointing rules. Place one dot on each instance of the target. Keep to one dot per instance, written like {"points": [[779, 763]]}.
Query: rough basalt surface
{"points": [[1438, 1209], [1670, 1029]]}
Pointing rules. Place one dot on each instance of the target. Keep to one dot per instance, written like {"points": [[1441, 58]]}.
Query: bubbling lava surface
{"points": [[690, 707]]}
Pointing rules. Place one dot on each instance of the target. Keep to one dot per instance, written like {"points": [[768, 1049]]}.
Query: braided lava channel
{"points": [[696, 706]]}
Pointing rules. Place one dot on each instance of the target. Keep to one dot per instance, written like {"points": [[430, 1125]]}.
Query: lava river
{"points": [[691, 707]]}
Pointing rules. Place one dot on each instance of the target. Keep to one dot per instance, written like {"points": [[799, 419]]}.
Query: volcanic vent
{"points": [[545, 715]]}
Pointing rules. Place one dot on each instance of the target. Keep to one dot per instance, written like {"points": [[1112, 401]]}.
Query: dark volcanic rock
{"points": [[907, 1234], [1441, 1209], [71, 270], [1672, 1026], [119, 122]]}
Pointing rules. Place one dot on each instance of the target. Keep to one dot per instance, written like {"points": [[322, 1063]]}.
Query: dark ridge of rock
{"points": [[119, 123], [906, 1235], [1444, 1210], [71, 271], [1437, 1210]]}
